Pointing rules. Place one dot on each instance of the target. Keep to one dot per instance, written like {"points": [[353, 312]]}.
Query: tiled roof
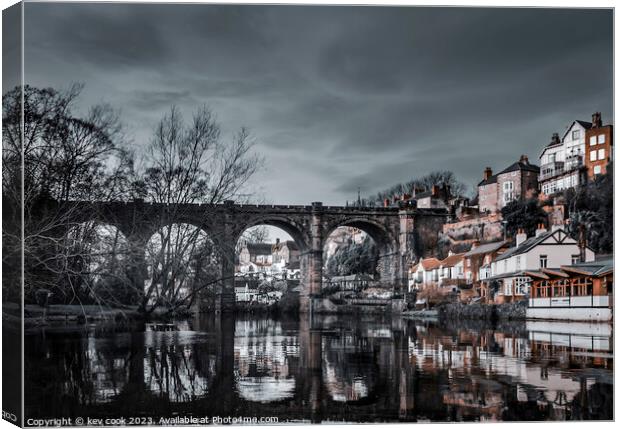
{"points": [[428, 263], [485, 248], [452, 260]]}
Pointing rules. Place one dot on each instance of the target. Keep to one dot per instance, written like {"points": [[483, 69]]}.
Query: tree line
{"points": [[57, 154]]}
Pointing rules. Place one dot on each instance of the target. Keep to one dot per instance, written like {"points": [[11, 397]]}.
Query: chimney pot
{"points": [[597, 120], [524, 159], [555, 138], [520, 237], [540, 229], [487, 173]]}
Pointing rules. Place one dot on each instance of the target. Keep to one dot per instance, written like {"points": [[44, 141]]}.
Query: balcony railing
{"points": [[557, 168]]}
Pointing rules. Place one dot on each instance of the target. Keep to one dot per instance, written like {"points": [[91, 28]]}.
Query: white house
{"points": [[451, 269], [562, 161], [423, 273], [547, 249]]}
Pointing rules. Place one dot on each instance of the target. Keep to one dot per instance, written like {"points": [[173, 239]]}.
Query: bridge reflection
{"points": [[334, 369]]}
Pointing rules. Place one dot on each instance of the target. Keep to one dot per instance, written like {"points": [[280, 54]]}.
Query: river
{"points": [[331, 369]]}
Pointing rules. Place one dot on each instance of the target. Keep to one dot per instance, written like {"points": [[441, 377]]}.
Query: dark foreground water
{"points": [[327, 370]]}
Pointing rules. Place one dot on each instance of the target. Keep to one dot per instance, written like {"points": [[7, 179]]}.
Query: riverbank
{"points": [[487, 312]]}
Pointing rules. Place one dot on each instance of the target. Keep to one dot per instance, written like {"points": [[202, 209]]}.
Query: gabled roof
{"points": [[486, 248], [452, 260], [520, 166], [584, 124], [529, 244]]}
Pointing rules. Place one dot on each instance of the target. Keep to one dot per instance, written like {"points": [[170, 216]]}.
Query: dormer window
{"points": [[575, 135]]}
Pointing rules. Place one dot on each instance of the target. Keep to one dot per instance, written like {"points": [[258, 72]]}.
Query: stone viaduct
{"points": [[400, 233]]}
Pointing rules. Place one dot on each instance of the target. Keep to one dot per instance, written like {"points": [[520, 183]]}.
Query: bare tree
{"points": [[66, 158], [189, 163]]}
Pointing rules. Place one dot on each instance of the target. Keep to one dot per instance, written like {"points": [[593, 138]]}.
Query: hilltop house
{"points": [[518, 180], [512, 271]]}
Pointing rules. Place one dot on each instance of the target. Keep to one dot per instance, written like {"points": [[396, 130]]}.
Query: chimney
{"points": [[475, 244], [406, 197], [488, 173], [277, 241], [597, 120], [434, 190], [524, 159], [540, 229], [386, 202], [555, 138], [520, 237]]}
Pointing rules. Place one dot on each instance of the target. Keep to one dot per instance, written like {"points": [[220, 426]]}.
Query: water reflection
{"points": [[333, 369]]}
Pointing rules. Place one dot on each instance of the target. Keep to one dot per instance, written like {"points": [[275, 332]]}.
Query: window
{"points": [[552, 157], [518, 262], [592, 140], [508, 191], [601, 154], [522, 285], [593, 155], [574, 259], [543, 261], [597, 169], [576, 135], [601, 139]]}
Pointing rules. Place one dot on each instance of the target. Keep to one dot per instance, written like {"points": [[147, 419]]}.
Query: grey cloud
{"points": [[340, 97]]}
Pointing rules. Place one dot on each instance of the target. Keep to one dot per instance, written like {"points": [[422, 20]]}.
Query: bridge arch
{"points": [[377, 231], [297, 231]]}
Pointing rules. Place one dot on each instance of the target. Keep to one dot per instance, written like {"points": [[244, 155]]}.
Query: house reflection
{"points": [[265, 361], [331, 369]]}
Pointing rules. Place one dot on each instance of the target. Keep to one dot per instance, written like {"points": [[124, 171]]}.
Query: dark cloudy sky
{"points": [[338, 97]]}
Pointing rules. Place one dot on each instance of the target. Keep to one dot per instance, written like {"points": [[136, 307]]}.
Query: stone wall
{"points": [[489, 312]]}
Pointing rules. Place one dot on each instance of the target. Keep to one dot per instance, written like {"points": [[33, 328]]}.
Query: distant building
{"points": [[246, 290], [286, 252], [517, 181], [355, 282], [258, 253], [438, 197], [599, 146]]}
